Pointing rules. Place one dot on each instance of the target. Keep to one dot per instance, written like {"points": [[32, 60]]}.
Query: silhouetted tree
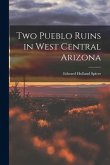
{"points": [[14, 96]]}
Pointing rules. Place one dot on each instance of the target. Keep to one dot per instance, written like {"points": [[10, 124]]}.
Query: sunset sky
{"points": [[56, 12], [59, 12]]}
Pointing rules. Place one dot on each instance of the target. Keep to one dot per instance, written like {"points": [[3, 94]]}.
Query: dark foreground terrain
{"points": [[59, 131]]}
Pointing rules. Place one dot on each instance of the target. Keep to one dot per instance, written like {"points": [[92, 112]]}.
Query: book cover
{"points": [[59, 82]]}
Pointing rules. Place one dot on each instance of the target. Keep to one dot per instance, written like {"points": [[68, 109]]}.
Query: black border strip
{"points": [[4, 87]]}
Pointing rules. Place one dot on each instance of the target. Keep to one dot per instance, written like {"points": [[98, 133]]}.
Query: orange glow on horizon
{"points": [[57, 83]]}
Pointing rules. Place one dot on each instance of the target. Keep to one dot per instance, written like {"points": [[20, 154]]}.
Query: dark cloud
{"points": [[104, 14], [54, 17], [32, 4], [80, 2], [36, 66], [102, 2]]}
